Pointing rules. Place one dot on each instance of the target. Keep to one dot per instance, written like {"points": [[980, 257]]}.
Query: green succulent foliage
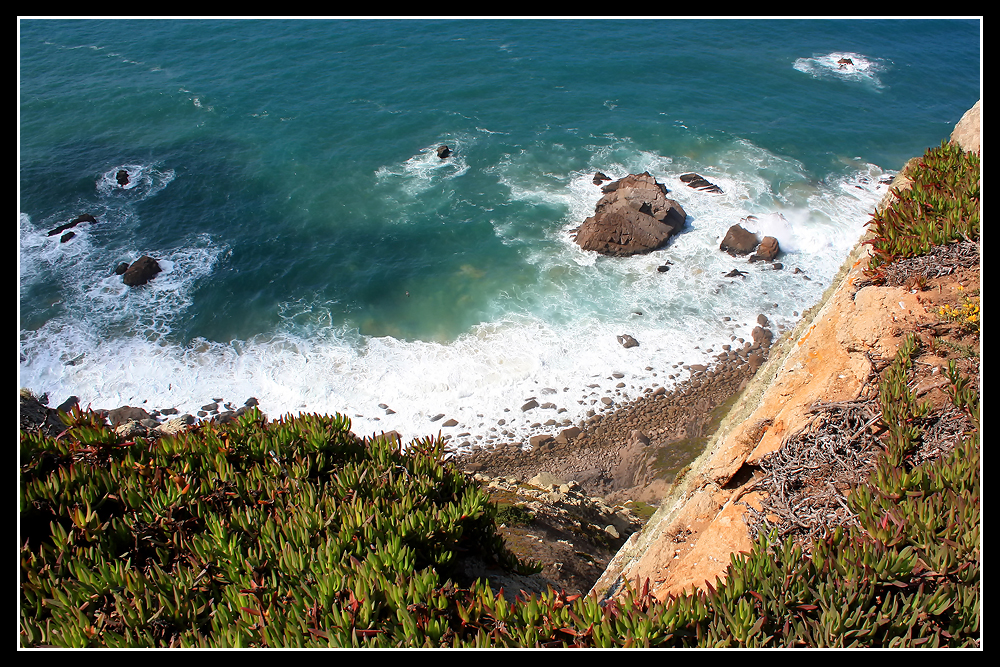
{"points": [[285, 533], [941, 207]]}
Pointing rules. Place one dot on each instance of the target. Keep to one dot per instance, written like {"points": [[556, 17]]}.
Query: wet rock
{"points": [[443, 152], [767, 250], [633, 217], [699, 182], [141, 271], [86, 217], [738, 241], [627, 341], [122, 177]]}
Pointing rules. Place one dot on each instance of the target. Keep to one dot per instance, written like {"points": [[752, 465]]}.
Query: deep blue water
{"points": [[319, 256]]}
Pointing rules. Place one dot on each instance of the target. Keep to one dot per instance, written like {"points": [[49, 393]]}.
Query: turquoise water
{"points": [[319, 256]]}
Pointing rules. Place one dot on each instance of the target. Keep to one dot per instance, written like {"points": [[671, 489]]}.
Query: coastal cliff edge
{"points": [[827, 358]]}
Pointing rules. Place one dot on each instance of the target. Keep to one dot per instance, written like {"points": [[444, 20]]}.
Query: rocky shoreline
{"points": [[634, 450]]}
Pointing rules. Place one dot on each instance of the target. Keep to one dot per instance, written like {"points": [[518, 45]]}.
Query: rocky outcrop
{"points": [[828, 359], [122, 177], [443, 152], [141, 271], [766, 251], [634, 217]]}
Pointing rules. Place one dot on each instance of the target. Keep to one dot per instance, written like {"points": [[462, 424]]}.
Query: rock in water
{"points": [[627, 341], [738, 241], [141, 271], [122, 177], [633, 217], [86, 217], [699, 182], [767, 250], [443, 152]]}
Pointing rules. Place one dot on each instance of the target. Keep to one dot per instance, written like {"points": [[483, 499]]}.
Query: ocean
{"points": [[318, 255]]}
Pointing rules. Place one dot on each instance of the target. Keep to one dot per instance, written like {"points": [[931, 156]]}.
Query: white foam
{"points": [[550, 341], [144, 181], [861, 68], [422, 171]]}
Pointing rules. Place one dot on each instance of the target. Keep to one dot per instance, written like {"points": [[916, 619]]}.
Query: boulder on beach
{"points": [[633, 217], [141, 271], [119, 416]]}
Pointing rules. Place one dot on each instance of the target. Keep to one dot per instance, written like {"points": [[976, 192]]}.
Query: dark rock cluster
{"points": [[128, 421], [739, 242]]}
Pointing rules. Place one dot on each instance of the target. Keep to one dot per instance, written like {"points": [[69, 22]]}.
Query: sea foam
{"points": [[553, 340]]}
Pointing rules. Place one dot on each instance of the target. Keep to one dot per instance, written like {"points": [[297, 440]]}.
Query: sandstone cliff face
{"points": [[827, 358]]}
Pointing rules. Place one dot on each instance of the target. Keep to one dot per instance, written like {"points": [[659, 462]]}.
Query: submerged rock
{"points": [[86, 217]]}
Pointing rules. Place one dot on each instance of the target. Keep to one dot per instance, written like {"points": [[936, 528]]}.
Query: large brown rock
{"points": [[141, 271], [633, 217], [739, 241], [767, 250]]}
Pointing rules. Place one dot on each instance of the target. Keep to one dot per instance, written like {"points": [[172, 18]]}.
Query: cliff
{"points": [[828, 358]]}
